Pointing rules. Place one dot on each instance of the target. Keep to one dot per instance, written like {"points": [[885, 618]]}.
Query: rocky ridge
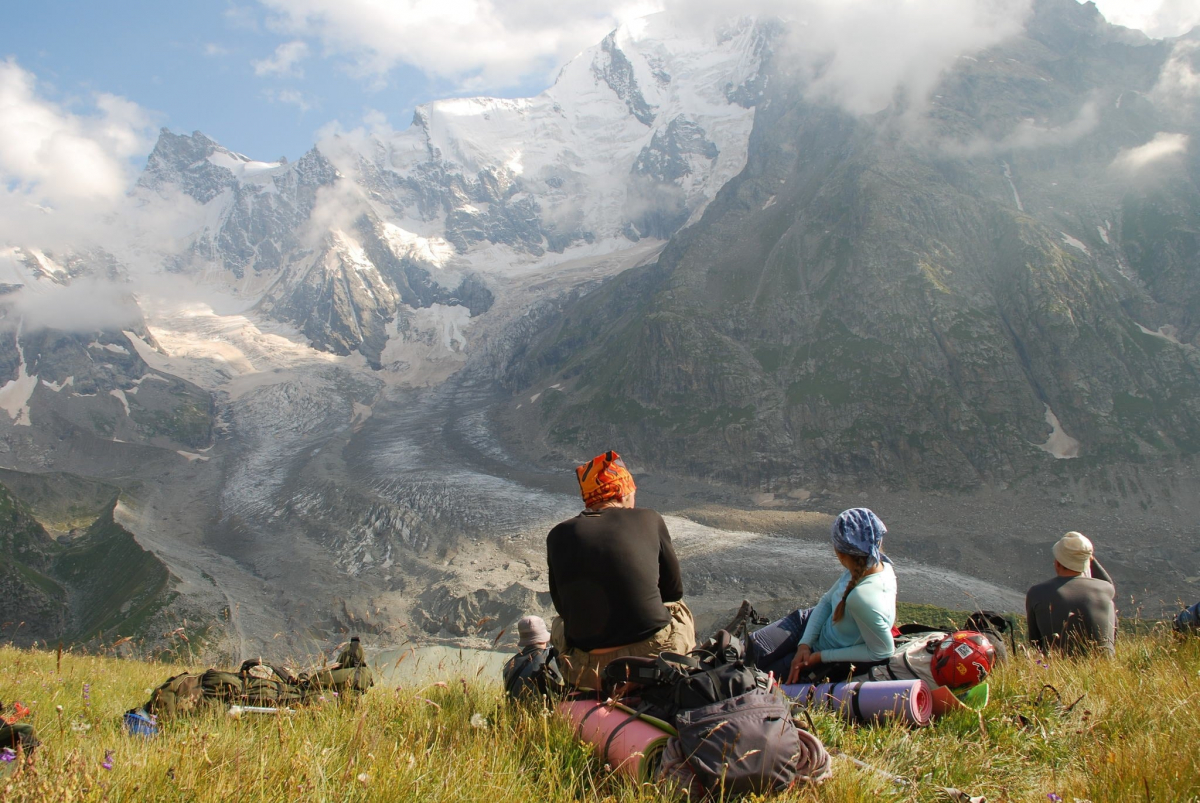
{"points": [[944, 299]]}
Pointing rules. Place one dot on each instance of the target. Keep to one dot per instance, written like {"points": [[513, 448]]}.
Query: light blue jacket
{"points": [[865, 632]]}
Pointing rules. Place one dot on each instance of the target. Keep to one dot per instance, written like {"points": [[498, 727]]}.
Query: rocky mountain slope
{"points": [[280, 307], [946, 295], [342, 394]]}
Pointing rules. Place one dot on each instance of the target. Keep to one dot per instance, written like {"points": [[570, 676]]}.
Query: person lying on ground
{"points": [[1074, 611], [614, 578], [852, 622]]}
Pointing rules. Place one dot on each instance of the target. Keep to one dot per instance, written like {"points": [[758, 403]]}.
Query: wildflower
{"points": [[335, 694], [81, 727], [8, 755], [363, 778], [87, 694], [108, 760], [479, 721], [1053, 798]]}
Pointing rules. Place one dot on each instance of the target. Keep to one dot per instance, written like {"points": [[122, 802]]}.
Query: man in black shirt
{"points": [[614, 578]]}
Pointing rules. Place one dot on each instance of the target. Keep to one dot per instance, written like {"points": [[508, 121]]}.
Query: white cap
{"points": [[1074, 551]]}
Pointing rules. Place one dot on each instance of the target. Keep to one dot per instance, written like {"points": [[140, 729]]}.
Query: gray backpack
{"points": [[747, 744]]}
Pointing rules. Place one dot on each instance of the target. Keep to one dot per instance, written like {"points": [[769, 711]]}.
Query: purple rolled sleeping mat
{"points": [[909, 701]]}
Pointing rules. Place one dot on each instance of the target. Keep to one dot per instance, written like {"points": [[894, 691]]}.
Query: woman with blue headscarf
{"points": [[852, 623]]}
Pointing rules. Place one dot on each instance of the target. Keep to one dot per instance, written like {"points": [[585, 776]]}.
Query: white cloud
{"points": [[285, 62], [213, 50], [859, 53], [292, 97], [49, 154], [1158, 18], [65, 176], [1179, 82], [479, 43], [1163, 146], [1031, 134], [84, 305]]}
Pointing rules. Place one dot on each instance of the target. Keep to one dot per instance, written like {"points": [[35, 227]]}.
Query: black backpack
{"points": [[995, 626], [533, 673], [670, 683]]}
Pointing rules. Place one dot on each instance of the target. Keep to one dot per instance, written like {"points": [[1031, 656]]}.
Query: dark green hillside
{"points": [[99, 583]]}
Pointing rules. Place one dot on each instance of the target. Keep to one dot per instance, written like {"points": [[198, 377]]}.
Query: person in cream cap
{"points": [[1074, 610]]}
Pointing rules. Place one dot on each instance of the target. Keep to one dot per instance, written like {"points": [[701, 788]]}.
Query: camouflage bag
{"points": [[220, 685], [178, 695], [268, 685]]}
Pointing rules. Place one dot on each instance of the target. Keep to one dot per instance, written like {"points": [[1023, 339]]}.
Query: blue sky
{"points": [[191, 65]]}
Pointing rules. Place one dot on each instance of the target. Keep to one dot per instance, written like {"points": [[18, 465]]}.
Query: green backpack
{"points": [[267, 685], [177, 696], [218, 684]]}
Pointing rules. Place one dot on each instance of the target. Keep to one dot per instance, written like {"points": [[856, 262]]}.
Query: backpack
{"points": [[912, 658], [735, 732], [533, 673], [671, 682], [178, 695], [995, 626], [746, 744], [1188, 620], [217, 684]]}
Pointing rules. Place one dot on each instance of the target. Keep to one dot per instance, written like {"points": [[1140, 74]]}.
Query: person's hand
{"points": [[803, 654]]}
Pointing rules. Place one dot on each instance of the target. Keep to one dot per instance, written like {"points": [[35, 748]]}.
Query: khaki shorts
{"points": [[583, 669]]}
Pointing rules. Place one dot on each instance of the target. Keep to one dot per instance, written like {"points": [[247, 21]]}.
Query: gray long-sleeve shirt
{"points": [[1074, 614]]}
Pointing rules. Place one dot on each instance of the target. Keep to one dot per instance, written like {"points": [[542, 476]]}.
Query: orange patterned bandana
{"points": [[603, 479]]}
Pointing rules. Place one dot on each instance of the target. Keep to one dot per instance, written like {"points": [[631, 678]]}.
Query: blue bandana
{"points": [[858, 531]]}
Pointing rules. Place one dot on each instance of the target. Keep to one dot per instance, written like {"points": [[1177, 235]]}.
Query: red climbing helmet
{"points": [[963, 660]]}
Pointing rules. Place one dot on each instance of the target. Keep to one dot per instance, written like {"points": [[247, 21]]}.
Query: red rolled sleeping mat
{"points": [[625, 741], [907, 700]]}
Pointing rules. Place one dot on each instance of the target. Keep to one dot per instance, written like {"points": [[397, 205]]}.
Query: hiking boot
{"points": [[744, 613]]}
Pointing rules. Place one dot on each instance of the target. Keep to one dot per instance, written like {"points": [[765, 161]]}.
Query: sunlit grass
{"points": [[1132, 735]]}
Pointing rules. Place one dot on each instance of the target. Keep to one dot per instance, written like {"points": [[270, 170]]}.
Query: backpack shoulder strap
{"points": [[675, 663]]}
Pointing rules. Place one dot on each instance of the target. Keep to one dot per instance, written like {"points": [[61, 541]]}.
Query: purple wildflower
{"points": [[1053, 798], [108, 760], [8, 755], [87, 694]]}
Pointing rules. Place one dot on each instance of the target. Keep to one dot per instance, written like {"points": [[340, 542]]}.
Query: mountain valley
{"points": [[345, 394]]}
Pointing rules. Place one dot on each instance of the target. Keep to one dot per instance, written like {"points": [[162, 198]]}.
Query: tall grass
{"points": [[1096, 730]]}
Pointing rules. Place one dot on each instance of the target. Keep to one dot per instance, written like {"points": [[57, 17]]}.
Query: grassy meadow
{"points": [[1133, 735]]}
